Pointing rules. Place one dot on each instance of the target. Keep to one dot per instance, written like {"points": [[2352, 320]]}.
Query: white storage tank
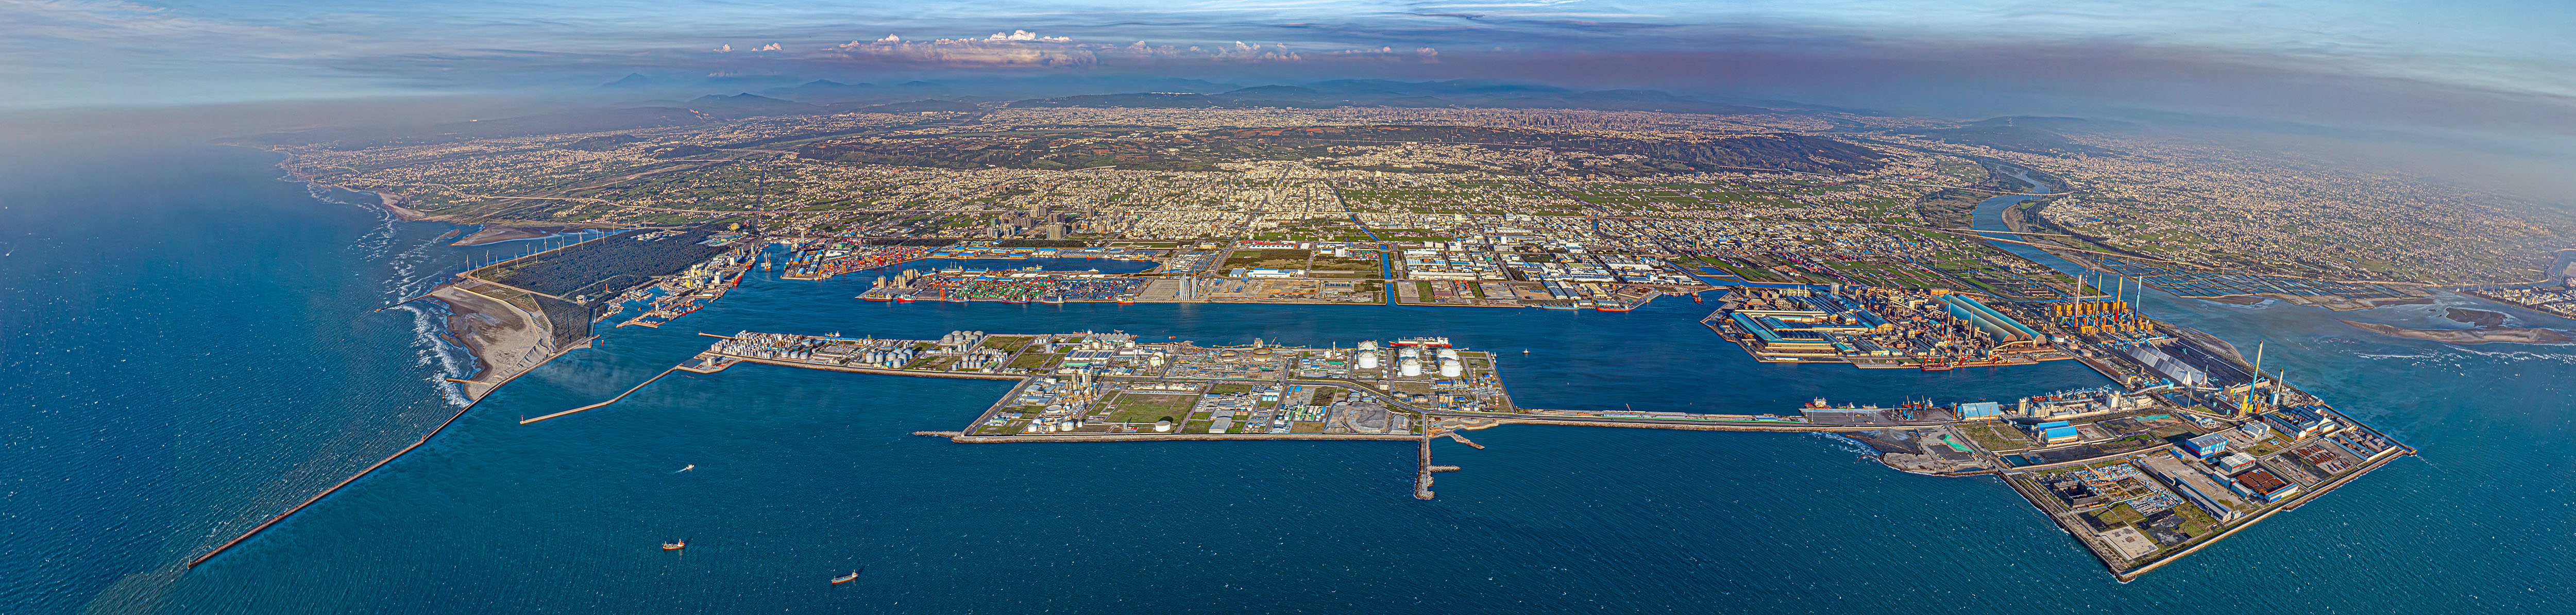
{"points": [[1448, 354], [1366, 345], [1450, 368], [1411, 366], [1368, 359]]}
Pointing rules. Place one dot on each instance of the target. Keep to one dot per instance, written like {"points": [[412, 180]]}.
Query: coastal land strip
{"points": [[2481, 335]]}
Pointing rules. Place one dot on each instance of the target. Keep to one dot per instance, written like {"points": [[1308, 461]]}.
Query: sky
{"points": [[2497, 67]]}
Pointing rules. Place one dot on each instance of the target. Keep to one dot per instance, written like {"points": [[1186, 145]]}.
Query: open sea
{"points": [[192, 345]]}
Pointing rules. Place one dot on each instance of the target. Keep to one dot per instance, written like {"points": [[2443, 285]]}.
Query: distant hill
{"points": [[2036, 135], [1364, 92], [923, 105], [825, 91], [1168, 100], [585, 120], [750, 105]]}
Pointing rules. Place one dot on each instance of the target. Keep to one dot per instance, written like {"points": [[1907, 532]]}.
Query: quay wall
{"points": [[1179, 436], [1584, 423], [874, 370]]}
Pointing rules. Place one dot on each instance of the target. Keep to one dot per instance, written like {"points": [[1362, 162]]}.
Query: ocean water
{"points": [[192, 346]]}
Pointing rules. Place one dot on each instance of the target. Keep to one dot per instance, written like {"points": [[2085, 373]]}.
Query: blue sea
{"points": [[192, 345]]}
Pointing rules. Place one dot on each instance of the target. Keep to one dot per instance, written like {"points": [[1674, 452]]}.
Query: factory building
{"points": [[2300, 422], [1981, 411], [2173, 369], [2055, 432], [2002, 330], [2259, 482], [2205, 445]]}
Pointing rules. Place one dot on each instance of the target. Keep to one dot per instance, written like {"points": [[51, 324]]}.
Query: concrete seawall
{"points": [[1177, 436]]}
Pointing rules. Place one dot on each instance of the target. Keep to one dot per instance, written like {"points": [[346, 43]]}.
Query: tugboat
{"points": [[845, 578], [675, 546]]}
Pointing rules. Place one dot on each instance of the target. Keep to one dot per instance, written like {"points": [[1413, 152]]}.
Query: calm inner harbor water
{"points": [[191, 346]]}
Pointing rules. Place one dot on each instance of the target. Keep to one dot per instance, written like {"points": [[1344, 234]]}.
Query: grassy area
{"points": [[931, 363], [1268, 259], [1994, 438], [1227, 388], [2196, 522], [1007, 343], [1036, 360], [2118, 515], [1144, 408]]}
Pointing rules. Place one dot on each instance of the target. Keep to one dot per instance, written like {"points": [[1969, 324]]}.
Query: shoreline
{"points": [[2463, 337]]}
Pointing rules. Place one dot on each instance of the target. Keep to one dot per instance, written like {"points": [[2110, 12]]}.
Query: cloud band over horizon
{"points": [[2480, 67]]}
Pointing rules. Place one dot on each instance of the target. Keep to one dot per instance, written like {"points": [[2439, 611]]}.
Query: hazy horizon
{"points": [[2489, 81]]}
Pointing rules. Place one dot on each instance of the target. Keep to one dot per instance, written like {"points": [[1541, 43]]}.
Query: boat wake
{"points": [[1847, 444], [430, 350], [412, 268]]}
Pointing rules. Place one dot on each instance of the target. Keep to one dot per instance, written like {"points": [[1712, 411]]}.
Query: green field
{"points": [[1145, 408]]}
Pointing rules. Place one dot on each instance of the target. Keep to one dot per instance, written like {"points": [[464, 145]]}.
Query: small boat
{"points": [[903, 298], [845, 578], [675, 546], [1524, 351]]}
